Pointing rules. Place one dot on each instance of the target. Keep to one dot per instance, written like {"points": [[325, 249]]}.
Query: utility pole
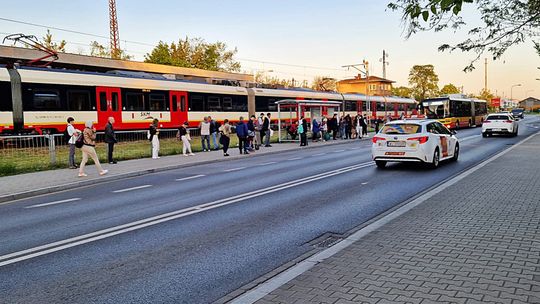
{"points": [[365, 65], [384, 63], [113, 24]]}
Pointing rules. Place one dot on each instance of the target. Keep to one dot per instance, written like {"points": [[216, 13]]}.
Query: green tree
{"points": [[99, 50], [262, 78], [402, 92], [48, 41], [450, 89], [324, 84], [505, 23], [423, 81], [195, 53]]}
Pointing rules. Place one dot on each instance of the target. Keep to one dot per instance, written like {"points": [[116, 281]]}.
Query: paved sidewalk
{"points": [[24, 185], [477, 241]]}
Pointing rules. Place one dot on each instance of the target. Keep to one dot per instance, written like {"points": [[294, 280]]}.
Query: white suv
{"points": [[422, 141], [500, 123]]}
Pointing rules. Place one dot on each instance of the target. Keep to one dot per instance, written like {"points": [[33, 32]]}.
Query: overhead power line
{"points": [[153, 45]]}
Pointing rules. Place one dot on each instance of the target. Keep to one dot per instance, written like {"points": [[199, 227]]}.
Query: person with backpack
{"points": [[242, 133], [153, 137], [315, 130], [214, 126], [88, 149], [363, 122], [110, 139], [251, 134], [225, 138], [70, 135]]}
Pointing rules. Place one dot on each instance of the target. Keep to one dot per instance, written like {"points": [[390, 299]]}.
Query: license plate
{"points": [[395, 153], [396, 144], [497, 129]]}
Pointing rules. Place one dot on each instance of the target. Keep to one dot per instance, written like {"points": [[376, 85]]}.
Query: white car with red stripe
{"points": [[422, 141]]}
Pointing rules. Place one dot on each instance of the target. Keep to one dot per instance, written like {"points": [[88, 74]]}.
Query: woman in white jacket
{"points": [[153, 137]]}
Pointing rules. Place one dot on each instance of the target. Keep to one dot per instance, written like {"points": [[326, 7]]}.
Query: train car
{"points": [[379, 106], [39, 100]]}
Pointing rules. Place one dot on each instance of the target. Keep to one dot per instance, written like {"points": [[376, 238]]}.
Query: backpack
{"points": [[79, 142], [67, 137]]}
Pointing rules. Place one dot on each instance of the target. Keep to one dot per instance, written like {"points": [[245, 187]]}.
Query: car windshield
{"points": [[498, 117], [401, 129], [517, 111]]}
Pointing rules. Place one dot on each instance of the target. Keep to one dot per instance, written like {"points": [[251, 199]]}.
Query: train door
{"points": [[109, 104], [178, 107]]}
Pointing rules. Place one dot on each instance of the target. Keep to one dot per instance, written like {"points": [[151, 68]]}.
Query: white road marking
{"points": [[296, 158], [338, 151], [268, 163], [109, 232], [189, 177], [234, 169], [365, 183], [284, 277], [320, 154], [131, 189], [469, 137], [54, 203]]}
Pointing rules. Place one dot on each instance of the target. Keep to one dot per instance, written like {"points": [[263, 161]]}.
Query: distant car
{"points": [[500, 123], [518, 113], [421, 141]]}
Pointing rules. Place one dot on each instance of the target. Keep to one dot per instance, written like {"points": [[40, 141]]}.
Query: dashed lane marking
{"points": [[132, 188], [189, 177], [268, 163], [54, 203], [319, 154], [234, 169], [296, 158]]}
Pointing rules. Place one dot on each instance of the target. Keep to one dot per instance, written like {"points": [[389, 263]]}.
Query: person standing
{"points": [[225, 139], [358, 123], [72, 135], [251, 133], [377, 122], [333, 126], [258, 126], [302, 130], [261, 124], [153, 137], [315, 129], [214, 132], [88, 149], [205, 134], [363, 122], [324, 128], [110, 139], [242, 133], [268, 133], [183, 135], [348, 127]]}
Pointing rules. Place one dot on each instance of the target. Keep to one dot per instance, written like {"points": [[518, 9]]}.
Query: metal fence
{"points": [[37, 152]]}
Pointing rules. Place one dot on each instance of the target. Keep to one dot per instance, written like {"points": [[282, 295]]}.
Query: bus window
{"points": [[174, 103]]}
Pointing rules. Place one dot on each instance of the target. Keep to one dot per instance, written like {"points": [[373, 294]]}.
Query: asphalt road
{"points": [[195, 234]]}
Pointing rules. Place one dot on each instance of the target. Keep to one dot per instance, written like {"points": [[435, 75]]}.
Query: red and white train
{"points": [[39, 100]]}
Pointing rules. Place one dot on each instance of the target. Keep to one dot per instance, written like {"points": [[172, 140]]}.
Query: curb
{"points": [[5, 199]]}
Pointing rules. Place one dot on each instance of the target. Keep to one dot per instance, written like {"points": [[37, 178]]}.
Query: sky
{"points": [[297, 39]]}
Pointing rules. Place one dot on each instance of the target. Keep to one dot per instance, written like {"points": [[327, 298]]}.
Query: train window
{"points": [[135, 102], [46, 100], [214, 103], [381, 106], [157, 102], [401, 107], [196, 103], [227, 103], [239, 104], [5, 97], [114, 101], [183, 103], [174, 103], [103, 101], [272, 104], [350, 105], [79, 100]]}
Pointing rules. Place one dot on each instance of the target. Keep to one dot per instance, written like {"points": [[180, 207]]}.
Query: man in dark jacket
{"points": [[110, 139], [266, 128], [333, 126], [242, 133], [214, 132]]}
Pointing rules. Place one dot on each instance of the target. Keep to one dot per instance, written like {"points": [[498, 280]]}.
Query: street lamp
{"points": [[511, 90]]}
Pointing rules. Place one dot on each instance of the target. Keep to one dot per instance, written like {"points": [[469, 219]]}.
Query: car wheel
{"points": [[456, 153], [484, 134], [380, 164], [516, 132], [436, 159]]}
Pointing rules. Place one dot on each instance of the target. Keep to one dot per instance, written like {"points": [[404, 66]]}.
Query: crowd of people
{"points": [[252, 134]]}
